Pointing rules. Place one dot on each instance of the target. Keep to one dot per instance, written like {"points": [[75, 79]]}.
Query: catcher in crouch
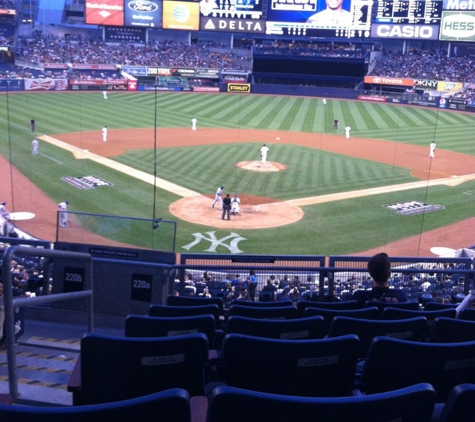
{"points": [[235, 209]]}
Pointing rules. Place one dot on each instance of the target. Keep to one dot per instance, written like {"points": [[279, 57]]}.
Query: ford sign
{"points": [[142, 6]]}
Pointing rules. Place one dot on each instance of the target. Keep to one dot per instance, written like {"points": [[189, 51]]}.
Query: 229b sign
{"points": [[141, 287]]}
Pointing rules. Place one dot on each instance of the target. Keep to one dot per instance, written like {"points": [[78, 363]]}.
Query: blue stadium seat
{"points": [[173, 300], [286, 329], [397, 313], [458, 407], [171, 405], [411, 404], [277, 303], [114, 368], [366, 330], [349, 304], [147, 326], [274, 312], [449, 330], [393, 363], [414, 306], [322, 367], [329, 314], [467, 314]]}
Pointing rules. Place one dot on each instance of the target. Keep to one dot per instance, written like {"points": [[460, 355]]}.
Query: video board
{"points": [[320, 18], [409, 11]]}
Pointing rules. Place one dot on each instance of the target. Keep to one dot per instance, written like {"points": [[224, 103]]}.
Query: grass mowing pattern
{"points": [[332, 228]]}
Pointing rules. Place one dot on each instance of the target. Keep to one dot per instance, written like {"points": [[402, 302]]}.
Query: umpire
{"points": [[226, 206]]}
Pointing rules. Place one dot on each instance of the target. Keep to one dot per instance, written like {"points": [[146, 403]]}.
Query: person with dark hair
{"points": [[218, 197], [226, 207], [379, 268], [252, 284], [63, 208], [3, 211], [32, 125]]}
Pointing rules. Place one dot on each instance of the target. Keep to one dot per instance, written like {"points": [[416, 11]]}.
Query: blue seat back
{"points": [[322, 367], [147, 326], [412, 404], [286, 329], [119, 368], [173, 300], [348, 304], [393, 363], [274, 312], [366, 330], [172, 405], [450, 330]]}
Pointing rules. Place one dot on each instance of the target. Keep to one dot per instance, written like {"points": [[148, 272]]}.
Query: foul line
{"points": [[81, 154], [51, 158]]}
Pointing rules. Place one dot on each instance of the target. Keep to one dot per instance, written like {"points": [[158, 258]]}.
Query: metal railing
{"points": [[10, 303]]}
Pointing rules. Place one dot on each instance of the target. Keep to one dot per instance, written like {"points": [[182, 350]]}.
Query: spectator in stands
{"points": [[333, 15], [379, 268], [270, 288], [466, 303], [3, 211], [252, 284]]}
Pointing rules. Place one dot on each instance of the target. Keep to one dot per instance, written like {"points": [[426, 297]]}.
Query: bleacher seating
{"points": [[458, 407], [171, 405]]}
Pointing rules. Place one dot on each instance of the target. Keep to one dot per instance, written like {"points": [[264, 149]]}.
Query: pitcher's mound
{"points": [[259, 166], [256, 213]]}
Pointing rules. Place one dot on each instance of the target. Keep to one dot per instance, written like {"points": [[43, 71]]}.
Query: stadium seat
{"points": [[171, 405], [467, 314], [397, 313], [147, 326], [366, 330], [449, 330], [181, 311], [433, 306], [274, 312], [329, 314], [399, 305], [458, 407], [114, 368], [287, 329], [411, 404], [173, 300], [349, 304], [321, 367], [394, 363], [277, 303]]}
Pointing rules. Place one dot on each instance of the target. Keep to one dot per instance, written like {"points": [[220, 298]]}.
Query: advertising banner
{"points": [[207, 73], [135, 70], [143, 13], [242, 88], [45, 84], [249, 26], [449, 86], [183, 71], [425, 83], [457, 26], [124, 34], [372, 98], [408, 31], [104, 12], [181, 15], [383, 80], [11, 85]]}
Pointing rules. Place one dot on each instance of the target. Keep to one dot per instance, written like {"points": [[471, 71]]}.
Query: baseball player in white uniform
{"points": [[3, 211], [104, 94], [218, 197], [193, 123], [35, 145], [235, 204], [63, 215], [324, 101], [432, 150], [104, 133], [347, 131], [264, 151]]}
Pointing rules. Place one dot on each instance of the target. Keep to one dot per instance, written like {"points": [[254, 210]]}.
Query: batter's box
{"points": [[413, 207]]}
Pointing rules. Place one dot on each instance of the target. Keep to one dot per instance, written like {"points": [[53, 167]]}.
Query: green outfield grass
{"points": [[333, 228]]}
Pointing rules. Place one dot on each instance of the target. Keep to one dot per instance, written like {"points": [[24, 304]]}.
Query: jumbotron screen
{"points": [[320, 18]]}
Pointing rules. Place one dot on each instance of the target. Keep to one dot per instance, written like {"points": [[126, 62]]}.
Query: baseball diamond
{"points": [[318, 193]]}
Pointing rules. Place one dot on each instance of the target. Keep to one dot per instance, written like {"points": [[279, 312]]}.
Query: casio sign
{"points": [[405, 31], [458, 26], [142, 6]]}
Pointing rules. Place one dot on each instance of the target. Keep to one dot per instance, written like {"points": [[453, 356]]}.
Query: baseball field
{"points": [[319, 193]]}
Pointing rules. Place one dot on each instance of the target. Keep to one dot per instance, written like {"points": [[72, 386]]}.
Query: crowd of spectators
{"points": [[54, 49], [429, 65], [310, 49], [417, 285]]}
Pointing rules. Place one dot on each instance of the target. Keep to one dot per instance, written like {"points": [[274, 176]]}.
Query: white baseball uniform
{"points": [[432, 150], [347, 130], [104, 94], [104, 133], [63, 215], [324, 101], [264, 151], [218, 197], [235, 205], [35, 146], [193, 123]]}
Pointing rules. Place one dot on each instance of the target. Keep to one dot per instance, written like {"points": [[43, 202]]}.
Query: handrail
{"points": [[11, 303]]}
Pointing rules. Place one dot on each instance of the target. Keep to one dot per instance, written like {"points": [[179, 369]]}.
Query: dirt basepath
{"points": [[446, 165]]}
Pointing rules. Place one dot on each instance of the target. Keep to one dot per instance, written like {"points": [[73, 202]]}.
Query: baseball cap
{"points": [[4, 203]]}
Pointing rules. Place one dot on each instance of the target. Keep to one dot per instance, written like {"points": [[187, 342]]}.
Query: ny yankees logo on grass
{"points": [[215, 242]]}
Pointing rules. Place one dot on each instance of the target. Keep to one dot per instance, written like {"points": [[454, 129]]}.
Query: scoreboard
{"points": [[409, 11], [451, 20]]}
